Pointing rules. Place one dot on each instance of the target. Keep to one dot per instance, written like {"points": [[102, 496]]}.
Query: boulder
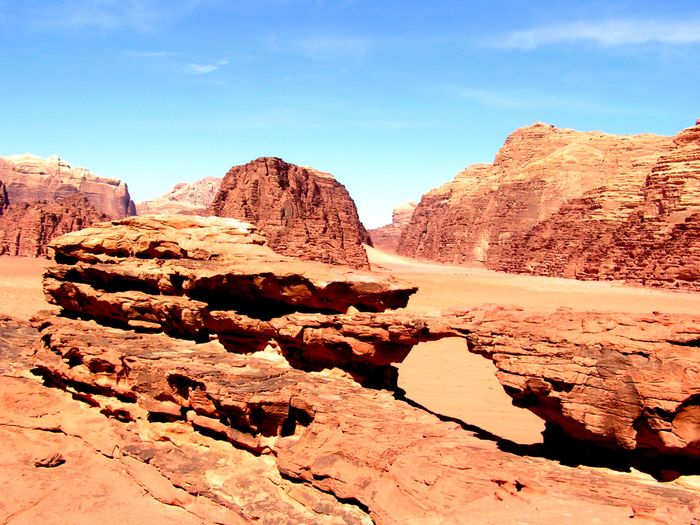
{"points": [[622, 381]]}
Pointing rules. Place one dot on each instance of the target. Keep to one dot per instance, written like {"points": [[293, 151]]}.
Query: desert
{"points": [[342, 262]]}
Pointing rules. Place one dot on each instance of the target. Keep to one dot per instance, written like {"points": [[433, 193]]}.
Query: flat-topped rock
{"points": [[193, 198]]}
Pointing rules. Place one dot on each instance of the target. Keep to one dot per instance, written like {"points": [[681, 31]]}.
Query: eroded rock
{"points": [[303, 212]]}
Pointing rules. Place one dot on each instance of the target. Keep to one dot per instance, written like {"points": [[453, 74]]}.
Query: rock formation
{"points": [[192, 199], [538, 169], [651, 238], [625, 382], [192, 336], [303, 212], [26, 229], [44, 198], [29, 178], [4, 200], [387, 237]]}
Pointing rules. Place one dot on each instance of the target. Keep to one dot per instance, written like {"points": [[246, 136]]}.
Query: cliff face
{"points": [[29, 178], [26, 229], [648, 234], [537, 171], [387, 237], [303, 212], [192, 199]]}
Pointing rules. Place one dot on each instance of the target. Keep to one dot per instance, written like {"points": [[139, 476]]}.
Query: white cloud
{"points": [[523, 100], [106, 15], [204, 69], [612, 33], [327, 48]]}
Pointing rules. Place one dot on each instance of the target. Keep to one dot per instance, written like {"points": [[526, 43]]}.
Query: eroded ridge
{"points": [[195, 326]]}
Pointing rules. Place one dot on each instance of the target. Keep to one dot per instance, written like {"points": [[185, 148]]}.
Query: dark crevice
{"points": [[347, 501]]}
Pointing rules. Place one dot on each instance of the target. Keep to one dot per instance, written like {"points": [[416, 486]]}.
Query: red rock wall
{"points": [[537, 171], [649, 235], [302, 212], [26, 229]]}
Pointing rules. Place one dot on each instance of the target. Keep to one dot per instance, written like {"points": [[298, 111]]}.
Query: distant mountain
{"points": [[388, 237], [189, 198]]}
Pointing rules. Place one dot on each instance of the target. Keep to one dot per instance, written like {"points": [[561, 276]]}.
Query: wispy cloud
{"points": [[503, 99], [204, 69], [105, 15], [611, 33], [322, 47], [171, 61]]}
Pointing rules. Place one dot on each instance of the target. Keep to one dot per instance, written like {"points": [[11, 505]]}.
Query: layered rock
{"points": [[44, 198], [651, 237], [303, 212], [387, 237], [622, 381], [29, 178], [27, 228], [192, 199], [539, 169]]}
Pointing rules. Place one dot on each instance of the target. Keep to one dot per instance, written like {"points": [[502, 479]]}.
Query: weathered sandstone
{"points": [[387, 237], [538, 169], [195, 338], [302, 212], [626, 382], [26, 229], [651, 237], [44, 198], [29, 178], [192, 199]]}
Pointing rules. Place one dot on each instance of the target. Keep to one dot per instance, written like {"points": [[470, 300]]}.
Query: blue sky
{"points": [[392, 97]]}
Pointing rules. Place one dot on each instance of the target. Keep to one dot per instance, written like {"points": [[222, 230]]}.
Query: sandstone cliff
{"points": [[26, 229], [303, 212], [538, 169], [651, 236], [44, 198], [387, 237], [29, 178], [192, 199]]}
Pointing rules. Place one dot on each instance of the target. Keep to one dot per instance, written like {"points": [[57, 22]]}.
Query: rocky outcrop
{"points": [[192, 199], [303, 212], [44, 198], [26, 229], [651, 237], [538, 169], [194, 342], [29, 178], [4, 200], [387, 237], [625, 382]]}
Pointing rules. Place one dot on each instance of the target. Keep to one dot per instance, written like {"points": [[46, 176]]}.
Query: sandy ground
{"points": [[20, 286], [442, 376]]}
